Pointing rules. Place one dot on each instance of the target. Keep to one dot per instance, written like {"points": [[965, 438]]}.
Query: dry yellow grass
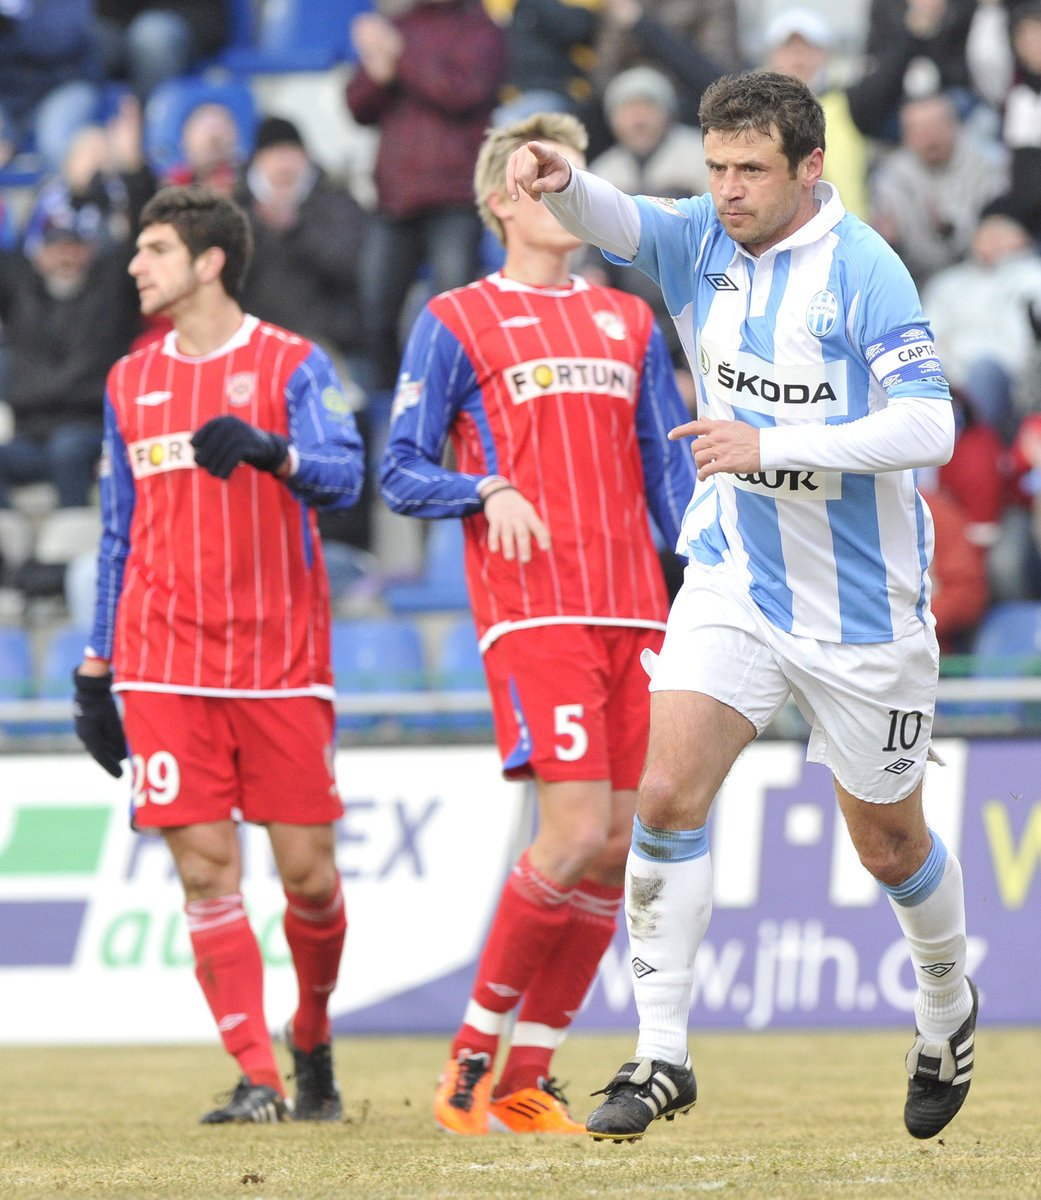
{"points": [[780, 1115]]}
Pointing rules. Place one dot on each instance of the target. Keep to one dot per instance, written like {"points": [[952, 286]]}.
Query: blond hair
{"points": [[499, 144]]}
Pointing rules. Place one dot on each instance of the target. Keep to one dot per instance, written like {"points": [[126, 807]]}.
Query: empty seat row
{"points": [[371, 658]]}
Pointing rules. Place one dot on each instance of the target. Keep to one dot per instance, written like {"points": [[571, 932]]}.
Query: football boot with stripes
{"points": [[643, 1091], [249, 1102], [464, 1093], [941, 1073], [317, 1096], [541, 1109]]}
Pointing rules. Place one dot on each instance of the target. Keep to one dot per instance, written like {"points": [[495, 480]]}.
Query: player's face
{"points": [[163, 270], [758, 200]]}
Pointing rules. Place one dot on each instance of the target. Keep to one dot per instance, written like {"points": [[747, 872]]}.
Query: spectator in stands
{"points": [[550, 57], [428, 80], [913, 48], [691, 43], [926, 197], [210, 142], [49, 75], [308, 233], [1013, 67], [984, 312], [69, 310], [653, 155], [103, 179], [147, 43], [1024, 527], [799, 42], [958, 572]]}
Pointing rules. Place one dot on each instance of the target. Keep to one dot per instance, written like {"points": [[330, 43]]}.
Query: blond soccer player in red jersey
{"points": [[212, 623], [556, 396]]}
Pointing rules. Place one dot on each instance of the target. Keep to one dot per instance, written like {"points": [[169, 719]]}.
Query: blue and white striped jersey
{"points": [[824, 327]]}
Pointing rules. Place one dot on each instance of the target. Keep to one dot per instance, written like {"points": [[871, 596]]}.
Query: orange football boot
{"points": [[463, 1094], [533, 1110]]}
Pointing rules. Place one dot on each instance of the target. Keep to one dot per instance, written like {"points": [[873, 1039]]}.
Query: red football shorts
{"points": [[571, 702], [207, 758]]}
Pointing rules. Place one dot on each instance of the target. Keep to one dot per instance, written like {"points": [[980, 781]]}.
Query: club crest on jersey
{"points": [[821, 313], [668, 203], [154, 456], [241, 388], [610, 325], [335, 402], [561, 376], [406, 395]]}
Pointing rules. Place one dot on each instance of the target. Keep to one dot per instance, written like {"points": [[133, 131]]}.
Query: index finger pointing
{"points": [[689, 429]]}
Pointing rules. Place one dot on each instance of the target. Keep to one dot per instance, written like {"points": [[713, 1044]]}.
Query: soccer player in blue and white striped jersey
{"points": [[819, 393]]}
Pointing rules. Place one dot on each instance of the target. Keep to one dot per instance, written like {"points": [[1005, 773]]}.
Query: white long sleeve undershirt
{"points": [[597, 212], [910, 432]]}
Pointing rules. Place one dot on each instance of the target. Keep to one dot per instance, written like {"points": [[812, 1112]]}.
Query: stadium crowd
{"points": [[934, 132]]}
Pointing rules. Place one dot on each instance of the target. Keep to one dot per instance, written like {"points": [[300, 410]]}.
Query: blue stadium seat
{"points": [[459, 667], [172, 102], [1007, 644], [62, 652], [291, 35], [442, 584], [16, 664], [373, 656], [1009, 634]]}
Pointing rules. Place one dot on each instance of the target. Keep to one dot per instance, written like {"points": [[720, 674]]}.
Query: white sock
{"points": [[935, 931], [667, 910]]}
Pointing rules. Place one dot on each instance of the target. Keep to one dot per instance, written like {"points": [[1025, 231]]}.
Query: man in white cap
{"points": [[800, 42]]}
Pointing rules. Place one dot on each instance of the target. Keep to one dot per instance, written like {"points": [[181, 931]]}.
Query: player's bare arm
{"points": [[513, 524], [731, 446], [536, 168]]}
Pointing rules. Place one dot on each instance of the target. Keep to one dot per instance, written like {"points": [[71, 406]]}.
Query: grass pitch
{"points": [[779, 1115]]}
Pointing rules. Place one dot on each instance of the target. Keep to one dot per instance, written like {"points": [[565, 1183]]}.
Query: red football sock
{"points": [[531, 916], [556, 992], [229, 969], [315, 931]]}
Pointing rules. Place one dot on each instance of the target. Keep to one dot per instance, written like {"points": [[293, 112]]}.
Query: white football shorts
{"points": [[870, 707]]}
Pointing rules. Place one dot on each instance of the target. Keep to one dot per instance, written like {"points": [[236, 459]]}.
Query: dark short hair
{"points": [[760, 101], [204, 218]]}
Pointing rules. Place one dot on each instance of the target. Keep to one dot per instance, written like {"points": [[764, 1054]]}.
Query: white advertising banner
{"points": [[93, 941]]}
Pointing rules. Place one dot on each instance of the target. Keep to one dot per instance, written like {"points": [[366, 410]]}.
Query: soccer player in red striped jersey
{"points": [[556, 397], [212, 622]]}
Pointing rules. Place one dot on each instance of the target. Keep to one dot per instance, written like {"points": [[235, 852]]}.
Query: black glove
{"points": [[98, 725], [223, 442]]}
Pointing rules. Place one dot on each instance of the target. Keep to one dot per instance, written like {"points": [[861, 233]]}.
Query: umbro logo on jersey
{"points": [[900, 766], [518, 322], [721, 283], [640, 968], [151, 399]]}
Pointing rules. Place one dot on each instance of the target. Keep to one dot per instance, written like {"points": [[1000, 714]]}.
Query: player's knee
{"points": [[662, 803], [890, 860], [314, 881]]}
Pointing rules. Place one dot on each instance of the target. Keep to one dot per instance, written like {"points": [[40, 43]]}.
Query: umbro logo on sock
{"points": [[640, 968], [939, 970]]}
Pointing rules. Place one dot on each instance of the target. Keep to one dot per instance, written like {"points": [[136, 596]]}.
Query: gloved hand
{"points": [[223, 442], [98, 725]]}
